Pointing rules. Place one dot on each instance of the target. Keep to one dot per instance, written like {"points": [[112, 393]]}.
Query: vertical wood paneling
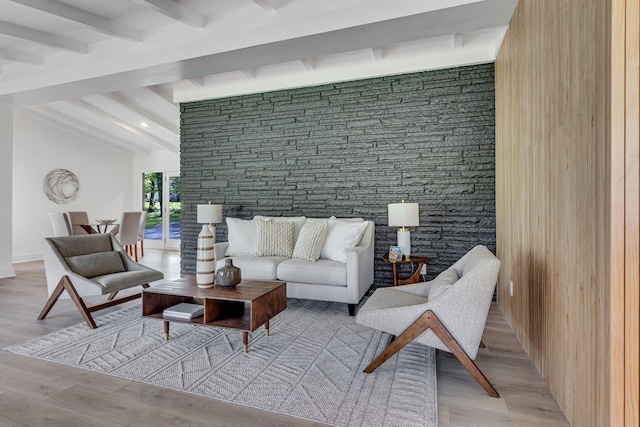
{"points": [[618, 52], [632, 214], [553, 179]]}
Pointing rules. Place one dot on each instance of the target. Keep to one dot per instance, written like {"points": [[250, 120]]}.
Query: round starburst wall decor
{"points": [[61, 186]]}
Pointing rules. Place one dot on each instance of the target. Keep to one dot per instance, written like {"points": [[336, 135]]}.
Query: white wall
{"points": [[109, 181], [6, 161]]}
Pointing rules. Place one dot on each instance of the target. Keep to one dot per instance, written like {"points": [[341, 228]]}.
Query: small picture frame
{"points": [[395, 253]]}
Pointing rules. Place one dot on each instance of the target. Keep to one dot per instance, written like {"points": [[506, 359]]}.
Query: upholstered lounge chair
{"points": [[94, 264], [448, 313]]}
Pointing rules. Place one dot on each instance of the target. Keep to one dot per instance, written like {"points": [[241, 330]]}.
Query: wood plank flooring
{"points": [[40, 393]]}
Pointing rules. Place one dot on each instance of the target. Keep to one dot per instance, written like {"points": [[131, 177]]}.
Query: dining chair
{"points": [[128, 232], [79, 217], [61, 224], [141, 227]]}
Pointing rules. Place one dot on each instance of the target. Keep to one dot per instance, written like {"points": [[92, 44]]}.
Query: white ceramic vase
{"points": [[205, 263]]}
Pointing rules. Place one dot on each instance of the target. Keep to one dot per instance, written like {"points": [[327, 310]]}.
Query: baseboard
{"points": [[7, 272], [27, 257]]}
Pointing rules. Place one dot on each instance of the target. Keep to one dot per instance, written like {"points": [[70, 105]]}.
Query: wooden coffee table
{"points": [[246, 307]]}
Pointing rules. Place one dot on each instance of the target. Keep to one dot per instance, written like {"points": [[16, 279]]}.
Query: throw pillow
{"points": [[241, 235], [298, 222], [310, 241], [442, 283], [97, 264], [274, 238], [341, 236]]}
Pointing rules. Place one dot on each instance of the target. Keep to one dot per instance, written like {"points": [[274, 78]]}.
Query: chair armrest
{"points": [[219, 251]]}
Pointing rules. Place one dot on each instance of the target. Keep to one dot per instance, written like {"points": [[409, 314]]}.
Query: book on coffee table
{"points": [[184, 310]]}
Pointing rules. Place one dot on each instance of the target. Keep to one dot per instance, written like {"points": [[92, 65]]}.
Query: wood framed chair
{"points": [[79, 217], [141, 228], [448, 313], [127, 232], [95, 264]]}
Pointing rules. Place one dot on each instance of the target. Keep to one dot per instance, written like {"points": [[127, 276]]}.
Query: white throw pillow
{"points": [[274, 238], [310, 240], [298, 222], [442, 283], [341, 236], [241, 234]]}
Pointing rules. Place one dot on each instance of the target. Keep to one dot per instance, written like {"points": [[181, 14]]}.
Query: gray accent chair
{"points": [[448, 313], [90, 265]]}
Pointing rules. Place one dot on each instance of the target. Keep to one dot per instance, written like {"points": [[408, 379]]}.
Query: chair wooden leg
{"points": [[429, 320], [135, 251], [142, 247], [52, 300], [65, 284], [112, 295], [482, 344]]}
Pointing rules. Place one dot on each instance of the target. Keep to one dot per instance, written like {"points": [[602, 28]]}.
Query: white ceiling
{"points": [[99, 68]]}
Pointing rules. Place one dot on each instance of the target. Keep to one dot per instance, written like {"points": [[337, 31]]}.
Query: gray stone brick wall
{"points": [[348, 149]]}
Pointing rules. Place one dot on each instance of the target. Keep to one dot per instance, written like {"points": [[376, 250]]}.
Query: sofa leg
{"points": [[352, 309]]}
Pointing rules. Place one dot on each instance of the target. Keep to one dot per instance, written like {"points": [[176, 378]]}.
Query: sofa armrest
{"points": [[360, 266], [219, 251]]}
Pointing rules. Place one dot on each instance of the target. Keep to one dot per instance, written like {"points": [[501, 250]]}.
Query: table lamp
{"points": [[211, 215], [208, 215], [404, 215]]}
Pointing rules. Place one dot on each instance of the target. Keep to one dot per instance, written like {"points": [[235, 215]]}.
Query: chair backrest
{"points": [[129, 225], [143, 222], [79, 217], [61, 224]]}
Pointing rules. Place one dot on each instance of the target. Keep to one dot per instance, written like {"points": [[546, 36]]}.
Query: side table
{"points": [[415, 276]]}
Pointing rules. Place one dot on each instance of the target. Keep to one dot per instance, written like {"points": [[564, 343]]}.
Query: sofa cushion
{"points": [[298, 222], [310, 241], [274, 238], [321, 272], [119, 281], [242, 236], [442, 282], [341, 236], [256, 268], [97, 264]]}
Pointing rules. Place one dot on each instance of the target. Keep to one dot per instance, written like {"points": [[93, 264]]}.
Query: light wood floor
{"points": [[39, 393]]}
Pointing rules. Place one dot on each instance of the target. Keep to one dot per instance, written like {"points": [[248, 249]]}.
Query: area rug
{"points": [[309, 367]]}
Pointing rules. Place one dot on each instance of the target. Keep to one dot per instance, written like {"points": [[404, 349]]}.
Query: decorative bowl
{"points": [[106, 221]]}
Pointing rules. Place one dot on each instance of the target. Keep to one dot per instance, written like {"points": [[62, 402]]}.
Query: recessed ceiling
{"points": [[100, 68]]}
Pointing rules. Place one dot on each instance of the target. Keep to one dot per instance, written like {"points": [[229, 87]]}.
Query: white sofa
{"points": [[343, 275]]}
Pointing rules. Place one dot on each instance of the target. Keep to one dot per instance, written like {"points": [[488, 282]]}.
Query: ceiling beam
{"points": [[76, 127], [46, 39], [176, 11], [101, 113], [266, 6], [309, 63], [145, 114], [159, 91], [83, 18], [378, 53], [13, 55]]}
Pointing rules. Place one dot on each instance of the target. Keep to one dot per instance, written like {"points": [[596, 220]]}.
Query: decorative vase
{"points": [[205, 263], [228, 276]]}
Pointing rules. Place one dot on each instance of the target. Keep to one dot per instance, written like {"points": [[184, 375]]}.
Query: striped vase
{"points": [[205, 264]]}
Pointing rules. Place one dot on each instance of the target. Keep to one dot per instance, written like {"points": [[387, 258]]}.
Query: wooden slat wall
{"points": [[553, 196]]}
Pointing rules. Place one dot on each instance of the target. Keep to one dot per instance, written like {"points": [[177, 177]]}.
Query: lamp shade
{"points": [[209, 214], [404, 214]]}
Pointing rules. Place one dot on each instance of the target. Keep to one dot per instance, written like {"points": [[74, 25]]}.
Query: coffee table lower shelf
{"points": [[247, 307]]}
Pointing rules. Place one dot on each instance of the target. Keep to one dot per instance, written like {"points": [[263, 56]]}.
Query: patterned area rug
{"points": [[309, 367]]}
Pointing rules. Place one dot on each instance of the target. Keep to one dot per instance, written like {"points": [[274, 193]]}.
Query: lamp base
{"points": [[404, 241], [205, 264]]}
